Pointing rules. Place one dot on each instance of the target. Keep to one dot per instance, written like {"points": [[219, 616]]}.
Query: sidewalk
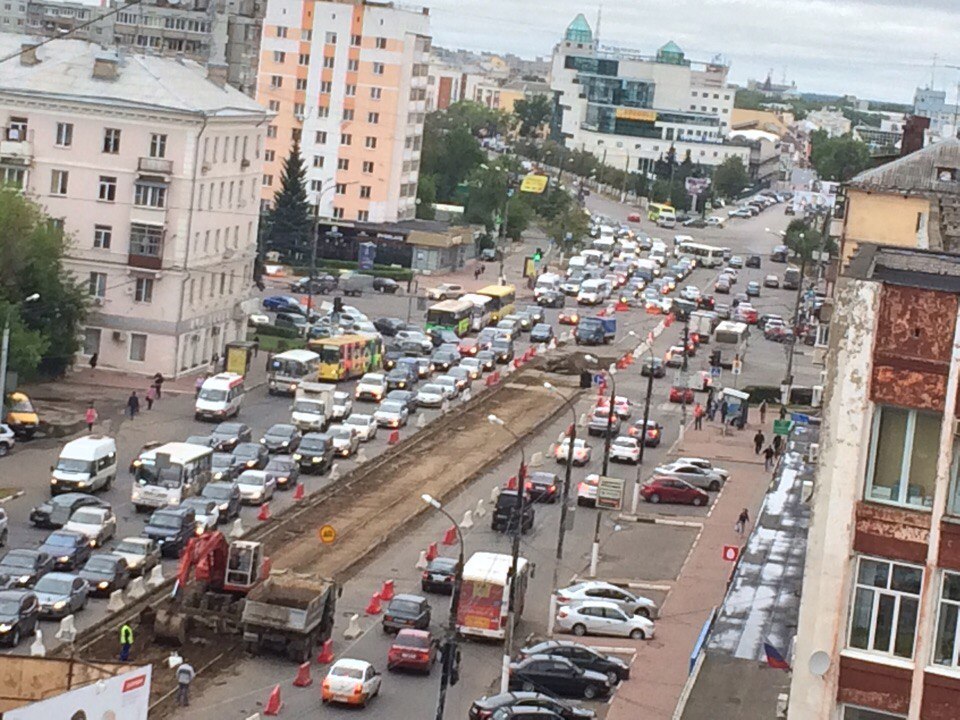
{"points": [[661, 666]]}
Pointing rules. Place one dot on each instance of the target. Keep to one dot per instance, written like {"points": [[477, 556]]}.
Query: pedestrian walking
{"points": [[724, 408], [198, 383], [778, 445], [742, 522], [758, 440], [768, 458], [93, 361], [90, 417], [133, 405], [698, 417], [158, 384], [185, 676], [763, 412], [711, 408], [126, 642], [150, 396]]}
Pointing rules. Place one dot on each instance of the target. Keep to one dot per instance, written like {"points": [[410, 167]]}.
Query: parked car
{"points": [[388, 286], [7, 439], [583, 657], [439, 575], [672, 490], [600, 617], [19, 615], [406, 611], [142, 554], [557, 676], [608, 592], [445, 291], [487, 707], [705, 478], [105, 572], [22, 567], [412, 650]]}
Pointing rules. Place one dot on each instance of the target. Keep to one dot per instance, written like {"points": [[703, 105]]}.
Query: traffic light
{"points": [[338, 304], [715, 358], [537, 255]]}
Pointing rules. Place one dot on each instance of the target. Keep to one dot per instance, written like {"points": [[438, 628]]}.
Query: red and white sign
{"points": [[125, 696], [731, 553]]}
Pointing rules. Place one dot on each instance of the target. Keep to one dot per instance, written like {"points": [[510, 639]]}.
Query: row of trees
{"points": [[838, 158]]}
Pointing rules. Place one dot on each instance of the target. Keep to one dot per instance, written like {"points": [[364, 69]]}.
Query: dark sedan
{"points": [[445, 359], [22, 567], [439, 576], [402, 377], [281, 438], [19, 615], [407, 398], [583, 657], [227, 494], [543, 487], [485, 707], [224, 467], [69, 550], [558, 676], [541, 333], [55, 512], [61, 594], [653, 366], [106, 572], [406, 611], [227, 435], [551, 299], [285, 470], [252, 456]]}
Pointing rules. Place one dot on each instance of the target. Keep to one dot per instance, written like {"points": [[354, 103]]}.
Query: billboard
{"points": [[819, 195], [625, 113], [122, 697], [696, 186], [534, 184]]}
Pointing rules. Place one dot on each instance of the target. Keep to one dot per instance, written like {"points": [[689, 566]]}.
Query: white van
{"points": [[577, 262], [591, 292], [220, 397], [86, 464], [592, 257], [546, 283], [667, 219]]}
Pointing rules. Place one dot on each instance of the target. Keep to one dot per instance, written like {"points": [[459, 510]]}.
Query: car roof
{"points": [[14, 594], [599, 603], [351, 663]]}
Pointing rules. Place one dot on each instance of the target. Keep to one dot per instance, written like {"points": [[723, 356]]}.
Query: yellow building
{"points": [[766, 120]]}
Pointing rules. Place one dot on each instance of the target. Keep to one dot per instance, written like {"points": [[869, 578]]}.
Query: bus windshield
{"points": [[288, 368], [213, 395], [149, 474]]}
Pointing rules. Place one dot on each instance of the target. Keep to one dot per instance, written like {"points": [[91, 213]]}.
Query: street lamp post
{"points": [[519, 510], [451, 650], [5, 350], [635, 502], [595, 548]]}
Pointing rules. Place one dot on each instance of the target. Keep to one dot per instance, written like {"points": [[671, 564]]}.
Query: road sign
{"points": [[782, 427], [800, 419], [534, 184], [736, 366], [731, 553], [715, 372], [610, 493], [367, 254], [327, 534], [598, 379]]}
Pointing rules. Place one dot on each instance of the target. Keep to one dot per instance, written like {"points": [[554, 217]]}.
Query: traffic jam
{"points": [[114, 527]]}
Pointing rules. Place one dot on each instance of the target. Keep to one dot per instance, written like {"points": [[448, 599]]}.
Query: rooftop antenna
{"points": [[596, 35]]}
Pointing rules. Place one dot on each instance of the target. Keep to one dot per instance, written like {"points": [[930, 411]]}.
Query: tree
{"points": [[426, 197], [533, 114], [478, 119], [289, 221], [569, 228], [838, 158], [730, 177], [450, 155], [486, 197], [519, 217], [44, 333]]}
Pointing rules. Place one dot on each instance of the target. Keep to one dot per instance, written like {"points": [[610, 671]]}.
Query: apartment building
{"points": [[878, 635], [216, 31], [347, 82], [629, 109], [152, 166]]}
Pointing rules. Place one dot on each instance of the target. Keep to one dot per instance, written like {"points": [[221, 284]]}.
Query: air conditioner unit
{"points": [[205, 168], [97, 301], [119, 336]]}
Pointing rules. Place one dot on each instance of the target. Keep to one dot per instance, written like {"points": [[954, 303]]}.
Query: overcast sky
{"points": [[878, 49]]}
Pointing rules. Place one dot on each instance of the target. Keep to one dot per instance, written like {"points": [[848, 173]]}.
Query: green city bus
{"points": [[453, 315]]}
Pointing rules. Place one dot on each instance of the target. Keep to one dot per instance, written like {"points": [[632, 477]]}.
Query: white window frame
{"points": [[158, 145], [130, 351], [901, 499], [898, 595], [98, 290], [941, 601], [102, 236], [64, 134], [150, 195], [107, 188], [111, 141], [143, 290], [59, 182]]}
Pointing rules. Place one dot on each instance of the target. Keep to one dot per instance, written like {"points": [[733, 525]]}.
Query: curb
{"points": [[652, 520], [8, 498]]}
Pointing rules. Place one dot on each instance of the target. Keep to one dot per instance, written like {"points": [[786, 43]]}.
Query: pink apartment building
{"points": [[348, 82], [153, 166]]}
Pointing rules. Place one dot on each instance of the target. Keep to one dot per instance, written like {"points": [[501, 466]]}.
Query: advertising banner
{"points": [[122, 697]]}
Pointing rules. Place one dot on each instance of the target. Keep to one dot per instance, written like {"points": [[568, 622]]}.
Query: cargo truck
{"points": [[312, 408], [595, 331]]}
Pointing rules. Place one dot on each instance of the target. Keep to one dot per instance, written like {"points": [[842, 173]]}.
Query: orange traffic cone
{"points": [[374, 607], [274, 703], [303, 678], [450, 536], [326, 653], [394, 438], [432, 551], [264, 513], [386, 592], [299, 491]]}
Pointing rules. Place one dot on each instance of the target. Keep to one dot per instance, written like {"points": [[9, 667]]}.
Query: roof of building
{"points": [[930, 269], [65, 71], [579, 30], [754, 135], [671, 47], [918, 172]]}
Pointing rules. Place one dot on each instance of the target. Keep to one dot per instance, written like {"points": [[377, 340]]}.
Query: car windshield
{"points": [[87, 517], [246, 451], [221, 461], [165, 520], [623, 442], [281, 465], [372, 379], [133, 548], [358, 420], [200, 507], [102, 565], [254, 480], [9, 608], [431, 389], [348, 672], [406, 607], [22, 561], [54, 585], [313, 444], [212, 395], [280, 432], [20, 406], [62, 540], [74, 466], [217, 492], [391, 407]]}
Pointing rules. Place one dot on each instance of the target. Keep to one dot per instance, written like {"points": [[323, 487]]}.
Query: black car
{"points": [[753, 261], [543, 487], [227, 435], [583, 657], [106, 572], [227, 494], [653, 366], [385, 285], [551, 299], [536, 314], [402, 377], [503, 349], [407, 398], [706, 302], [224, 467], [390, 357], [488, 360], [285, 471], [55, 512], [445, 359], [172, 528], [406, 611], [281, 438], [251, 455], [203, 440], [558, 676], [439, 337], [22, 568], [439, 575], [485, 707], [526, 713], [315, 453], [389, 326], [505, 512], [541, 333], [19, 615], [68, 549], [315, 286], [419, 367]]}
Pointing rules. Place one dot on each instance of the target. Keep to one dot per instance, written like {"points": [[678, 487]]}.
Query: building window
{"points": [[903, 457], [343, 164], [148, 195], [158, 145], [301, 83], [146, 239], [267, 180], [350, 90], [102, 236], [271, 131], [143, 292], [97, 286], [365, 191], [111, 141], [276, 81], [318, 161], [58, 182], [381, 43], [273, 105], [321, 137], [378, 68], [373, 118], [946, 649], [346, 139], [279, 56], [355, 40], [323, 112], [338, 213], [851, 712], [299, 110], [375, 93], [64, 134], [269, 155], [341, 189], [370, 142], [316, 185], [108, 188], [304, 59], [328, 61], [367, 167], [91, 341], [348, 114], [281, 31], [331, 38], [363, 215], [353, 65], [138, 347], [326, 86], [885, 604]]}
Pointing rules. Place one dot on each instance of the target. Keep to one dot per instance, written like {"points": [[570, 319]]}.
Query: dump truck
{"points": [[312, 407], [289, 614]]}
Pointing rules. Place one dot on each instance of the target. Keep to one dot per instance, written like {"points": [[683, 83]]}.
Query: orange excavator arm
{"points": [[205, 557]]}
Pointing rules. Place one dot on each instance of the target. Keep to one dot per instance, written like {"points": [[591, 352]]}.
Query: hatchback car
{"points": [[281, 437], [625, 449], [251, 455], [61, 594], [543, 487], [227, 494], [364, 425], [105, 572], [315, 454], [391, 414], [439, 575], [285, 471], [256, 486], [142, 554], [406, 611], [598, 617], [23, 567], [345, 440], [672, 490], [352, 682], [97, 524], [557, 676], [608, 592], [412, 650]]}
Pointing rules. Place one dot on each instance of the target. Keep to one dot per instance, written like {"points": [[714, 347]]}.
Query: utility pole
{"points": [[564, 499], [595, 549], [643, 439], [626, 174], [683, 376]]}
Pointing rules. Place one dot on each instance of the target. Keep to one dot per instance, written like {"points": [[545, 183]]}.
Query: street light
{"points": [[450, 652], [595, 549], [517, 530], [635, 502], [5, 350]]}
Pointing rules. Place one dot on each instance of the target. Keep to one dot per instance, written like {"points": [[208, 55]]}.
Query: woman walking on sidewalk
{"points": [[151, 396], [742, 522], [90, 417]]}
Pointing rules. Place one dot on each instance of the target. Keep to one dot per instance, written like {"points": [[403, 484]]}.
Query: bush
{"points": [[333, 267], [275, 331]]}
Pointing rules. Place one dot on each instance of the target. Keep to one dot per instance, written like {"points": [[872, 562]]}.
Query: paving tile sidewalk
{"points": [[702, 583]]}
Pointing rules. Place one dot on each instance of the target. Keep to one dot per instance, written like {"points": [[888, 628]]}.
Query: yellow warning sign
{"points": [[534, 184], [327, 534]]}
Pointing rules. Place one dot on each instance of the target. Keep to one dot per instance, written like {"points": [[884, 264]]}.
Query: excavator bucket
{"points": [[170, 627]]}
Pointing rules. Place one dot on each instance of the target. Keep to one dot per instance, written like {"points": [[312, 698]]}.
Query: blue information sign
{"points": [[367, 255]]}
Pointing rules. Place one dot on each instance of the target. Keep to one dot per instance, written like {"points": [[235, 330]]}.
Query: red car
{"points": [[633, 217], [568, 317], [672, 490], [681, 395], [469, 347], [412, 649]]}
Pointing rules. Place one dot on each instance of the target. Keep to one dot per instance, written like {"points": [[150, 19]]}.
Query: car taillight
{"points": [[581, 487], [426, 575], [563, 612], [654, 433], [528, 485]]}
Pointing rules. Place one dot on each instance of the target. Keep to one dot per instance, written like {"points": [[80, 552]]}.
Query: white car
{"points": [[258, 319], [141, 554], [352, 682], [7, 440], [431, 395], [607, 592], [256, 486], [450, 385], [426, 344], [598, 617], [703, 478], [705, 464], [342, 405], [445, 291], [716, 221], [587, 490], [625, 449], [690, 292], [391, 414], [346, 440], [97, 524], [372, 386], [206, 513], [365, 425], [472, 366], [581, 452]]}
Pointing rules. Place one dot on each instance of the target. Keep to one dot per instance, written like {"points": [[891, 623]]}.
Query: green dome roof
{"points": [[671, 47], [579, 30]]}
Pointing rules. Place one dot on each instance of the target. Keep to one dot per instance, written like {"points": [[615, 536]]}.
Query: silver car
{"points": [[595, 617], [61, 594], [391, 414], [700, 477], [141, 554], [256, 486], [342, 405], [607, 592], [431, 395], [345, 440]]}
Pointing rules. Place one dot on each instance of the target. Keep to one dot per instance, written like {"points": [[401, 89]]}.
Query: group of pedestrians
{"points": [[154, 393], [770, 452], [185, 672]]}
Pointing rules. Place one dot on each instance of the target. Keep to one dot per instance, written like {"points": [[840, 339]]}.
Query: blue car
{"points": [[280, 303]]}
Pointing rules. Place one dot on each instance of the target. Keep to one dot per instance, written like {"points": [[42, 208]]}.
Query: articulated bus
{"points": [[706, 256], [503, 298], [347, 356], [480, 312], [453, 315]]}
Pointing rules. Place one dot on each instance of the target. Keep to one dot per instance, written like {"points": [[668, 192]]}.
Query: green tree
{"points": [[487, 193], [478, 119], [568, 228], [289, 220], [519, 217], [426, 197], [533, 114], [450, 155], [730, 177], [44, 333], [839, 158]]}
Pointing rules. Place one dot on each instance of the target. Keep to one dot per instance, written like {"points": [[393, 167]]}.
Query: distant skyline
{"points": [[876, 49]]}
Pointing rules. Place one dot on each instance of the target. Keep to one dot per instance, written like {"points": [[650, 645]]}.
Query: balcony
{"points": [[16, 146], [146, 246], [155, 166]]}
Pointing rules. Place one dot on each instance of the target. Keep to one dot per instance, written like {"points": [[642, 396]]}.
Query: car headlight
{"points": [[251, 463], [297, 456], [53, 481], [198, 530], [5, 627], [24, 579], [93, 542], [258, 494], [223, 506], [60, 604], [284, 444], [103, 584], [315, 460], [63, 559]]}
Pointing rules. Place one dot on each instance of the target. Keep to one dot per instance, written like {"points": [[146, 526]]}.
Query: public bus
{"points": [[169, 474], [791, 278], [502, 298], [453, 315], [480, 313], [289, 368], [662, 214], [731, 339], [485, 592], [347, 356], [706, 256]]}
